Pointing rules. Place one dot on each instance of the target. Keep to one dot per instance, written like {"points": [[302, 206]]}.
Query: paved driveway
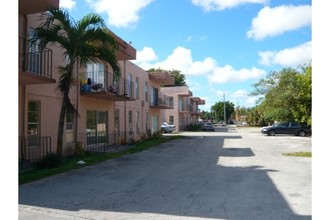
{"points": [[227, 174]]}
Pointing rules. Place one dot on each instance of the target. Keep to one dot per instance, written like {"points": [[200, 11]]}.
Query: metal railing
{"points": [[104, 81], [104, 142], [162, 101], [35, 59], [31, 149]]}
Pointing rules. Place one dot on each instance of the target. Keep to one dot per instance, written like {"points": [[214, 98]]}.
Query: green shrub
{"points": [[49, 161], [79, 150]]}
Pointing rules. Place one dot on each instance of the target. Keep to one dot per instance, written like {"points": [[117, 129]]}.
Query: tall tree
{"points": [[180, 78], [287, 95], [218, 110], [87, 40]]}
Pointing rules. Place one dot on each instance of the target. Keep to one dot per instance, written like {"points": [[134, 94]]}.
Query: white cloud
{"points": [[146, 55], [120, 13], [290, 57], [218, 5], [181, 59], [68, 4], [239, 93], [229, 74], [275, 21]]}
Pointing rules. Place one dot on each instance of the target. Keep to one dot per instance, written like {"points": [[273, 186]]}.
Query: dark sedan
{"points": [[292, 128]]}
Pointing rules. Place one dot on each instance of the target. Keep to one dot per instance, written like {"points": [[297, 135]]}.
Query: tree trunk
{"points": [[61, 129]]}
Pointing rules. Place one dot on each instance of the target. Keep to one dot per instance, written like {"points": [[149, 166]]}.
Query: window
{"points": [[34, 58], [154, 96], [129, 86], [34, 118], [146, 91], [69, 127], [137, 122], [33, 122], [147, 121], [117, 124], [154, 123], [137, 88], [96, 72], [130, 120], [97, 127], [171, 120]]}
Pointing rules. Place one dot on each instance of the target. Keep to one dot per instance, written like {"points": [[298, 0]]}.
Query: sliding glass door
{"points": [[97, 127]]}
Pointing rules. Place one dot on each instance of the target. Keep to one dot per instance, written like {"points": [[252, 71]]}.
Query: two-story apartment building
{"points": [[111, 111], [185, 110]]}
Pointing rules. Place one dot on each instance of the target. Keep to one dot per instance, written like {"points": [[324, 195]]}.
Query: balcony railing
{"points": [[162, 102], [32, 149], [35, 63], [104, 85]]}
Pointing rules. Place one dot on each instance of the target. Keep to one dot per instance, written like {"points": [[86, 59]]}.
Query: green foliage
{"points": [[157, 134], [299, 154], [194, 127], [87, 40], [218, 111], [78, 149], [49, 161], [287, 96]]}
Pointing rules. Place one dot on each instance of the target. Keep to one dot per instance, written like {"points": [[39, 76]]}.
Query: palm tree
{"points": [[87, 40]]}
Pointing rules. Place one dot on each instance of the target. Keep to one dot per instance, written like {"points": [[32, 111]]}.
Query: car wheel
{"points": [[271, 133], [163, 130], [302, 133]]}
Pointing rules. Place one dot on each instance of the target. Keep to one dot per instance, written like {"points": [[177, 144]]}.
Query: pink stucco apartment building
{"points": [[111, 112], [185, 111]]}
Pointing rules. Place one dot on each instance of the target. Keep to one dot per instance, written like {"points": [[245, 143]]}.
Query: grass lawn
{"points": [[70, 163], [299, 154]]}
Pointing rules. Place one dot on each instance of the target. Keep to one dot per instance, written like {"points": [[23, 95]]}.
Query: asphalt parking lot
{"points": [[231, 173]]}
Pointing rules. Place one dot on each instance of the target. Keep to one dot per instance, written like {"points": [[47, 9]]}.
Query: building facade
{"points": [[112, 110]]}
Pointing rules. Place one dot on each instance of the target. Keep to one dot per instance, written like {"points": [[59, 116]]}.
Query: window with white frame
{"points": [[96, 73], [34, 118]]}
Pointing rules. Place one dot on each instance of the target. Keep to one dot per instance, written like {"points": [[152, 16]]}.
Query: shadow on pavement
{"points": [[180, 178]]}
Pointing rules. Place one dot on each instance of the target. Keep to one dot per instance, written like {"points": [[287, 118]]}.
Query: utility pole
{"points": [[224, 108]]}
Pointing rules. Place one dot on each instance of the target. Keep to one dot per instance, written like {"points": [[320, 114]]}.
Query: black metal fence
{"points": [[32, 149], [105, 142]]}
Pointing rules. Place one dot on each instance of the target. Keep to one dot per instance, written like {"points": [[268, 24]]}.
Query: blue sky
{"points": [[222, 46]]}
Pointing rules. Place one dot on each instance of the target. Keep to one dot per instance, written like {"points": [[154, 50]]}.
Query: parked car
{"points": [[208, 126], [167, 128], [293, 128]]}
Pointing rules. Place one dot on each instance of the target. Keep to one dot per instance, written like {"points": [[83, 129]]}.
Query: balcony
{"points": [[36, 6], [125, 50], [162, 78], [197, 100], [196, 112], [162, 102], [35, 63], [103, 85]]}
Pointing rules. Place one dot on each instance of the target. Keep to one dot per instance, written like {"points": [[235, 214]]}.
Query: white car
{"points": [[167, 128]]}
